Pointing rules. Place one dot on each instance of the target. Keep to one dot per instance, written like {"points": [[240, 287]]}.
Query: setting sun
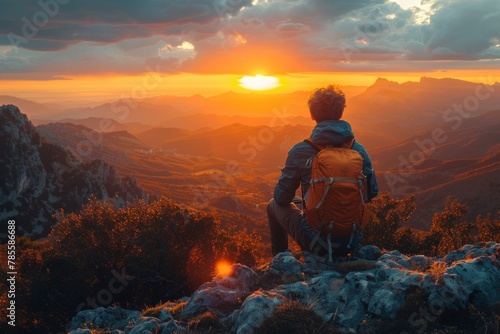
{"points": [[259, 82]]}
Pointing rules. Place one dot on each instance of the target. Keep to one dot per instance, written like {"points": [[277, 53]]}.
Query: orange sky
{"points": [[93, 90], [104, 55]]}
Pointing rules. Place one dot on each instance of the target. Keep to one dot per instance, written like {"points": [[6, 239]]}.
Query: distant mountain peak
{"points": [[441, 81], [384, 81], [10, 112]]}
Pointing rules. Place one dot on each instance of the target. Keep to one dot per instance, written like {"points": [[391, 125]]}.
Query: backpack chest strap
{"points": [[330, 180]]}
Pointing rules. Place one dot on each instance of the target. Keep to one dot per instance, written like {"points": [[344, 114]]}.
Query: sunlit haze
{"points": [[178, 50]]}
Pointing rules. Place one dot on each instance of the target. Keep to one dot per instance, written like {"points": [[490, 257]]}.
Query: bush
{"points": [[295, 318], [387, 216], [449, 230], [141, 254]]}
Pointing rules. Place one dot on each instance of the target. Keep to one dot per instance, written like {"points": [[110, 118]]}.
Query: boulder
{"points": [[286, 267], [223, 294], [101, 317], [369, 252], [256, 308], [144, 325]]}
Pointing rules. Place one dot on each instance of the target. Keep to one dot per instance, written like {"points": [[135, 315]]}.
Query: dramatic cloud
{"points": [[54, 38], [463, 29], [57, 24]]}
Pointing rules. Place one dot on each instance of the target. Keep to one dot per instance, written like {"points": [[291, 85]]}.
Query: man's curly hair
{"points": [[326, 103]]}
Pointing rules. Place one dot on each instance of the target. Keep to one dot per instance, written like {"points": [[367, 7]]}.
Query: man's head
{"points": [[326, 104]]}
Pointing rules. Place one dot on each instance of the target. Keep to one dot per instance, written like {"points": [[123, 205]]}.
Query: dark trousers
{"points": [[285, 220]]}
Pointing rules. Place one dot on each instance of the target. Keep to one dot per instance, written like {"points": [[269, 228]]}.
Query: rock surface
{"points": [[222, 294], [40, 177], [243, 300]]}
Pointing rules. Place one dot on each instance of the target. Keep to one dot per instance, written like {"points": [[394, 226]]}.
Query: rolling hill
{"points": [[422, 138], [391, 110], [401, 110], [464, 162], [99, 124]]}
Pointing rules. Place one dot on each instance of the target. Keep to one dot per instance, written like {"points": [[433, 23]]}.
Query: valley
{"points": [[229, 163]]}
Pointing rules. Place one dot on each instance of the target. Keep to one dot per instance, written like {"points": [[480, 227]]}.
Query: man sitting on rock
{"points": [[326, 106]]}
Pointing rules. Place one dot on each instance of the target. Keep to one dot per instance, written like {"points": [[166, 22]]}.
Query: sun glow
{"points": [[223, 268], [259, 82]]}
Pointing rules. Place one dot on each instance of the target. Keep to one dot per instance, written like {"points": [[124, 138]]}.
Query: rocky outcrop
{"points": [[40, 177], [222, 294], [350, 295]]}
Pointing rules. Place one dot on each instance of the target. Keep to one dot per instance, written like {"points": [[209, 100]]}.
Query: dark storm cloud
{"points": [[231, 36], [56, 24]]}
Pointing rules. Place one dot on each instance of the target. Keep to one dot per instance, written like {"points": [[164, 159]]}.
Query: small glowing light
{"points": [[223, 268], [186, 46], [362, 41], [259, 82]]}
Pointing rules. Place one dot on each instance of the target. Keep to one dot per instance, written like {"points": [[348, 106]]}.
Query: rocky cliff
{"points": [[388, 293], [40, 177]]}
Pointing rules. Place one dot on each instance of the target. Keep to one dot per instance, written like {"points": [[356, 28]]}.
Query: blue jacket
{"points": [[295, 173]]}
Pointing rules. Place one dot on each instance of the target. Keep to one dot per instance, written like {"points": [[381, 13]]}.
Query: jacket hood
{"points": [[332, 132]]}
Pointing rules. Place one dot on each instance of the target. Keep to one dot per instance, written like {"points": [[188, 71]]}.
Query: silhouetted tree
{"points": [[409, 241], [448, 226]]}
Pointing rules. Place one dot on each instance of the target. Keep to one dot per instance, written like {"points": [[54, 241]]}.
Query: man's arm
{"points": [[294, 172], [372, 185], [368, 171], [288, 182]]}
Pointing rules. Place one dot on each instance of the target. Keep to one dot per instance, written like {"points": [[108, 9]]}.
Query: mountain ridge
{"points": [[40, 177], [179, 162], [386, 107]]}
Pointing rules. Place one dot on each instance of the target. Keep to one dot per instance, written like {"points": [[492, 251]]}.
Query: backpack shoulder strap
{"points": [[318, 148], [349, 143], [311, 143]]}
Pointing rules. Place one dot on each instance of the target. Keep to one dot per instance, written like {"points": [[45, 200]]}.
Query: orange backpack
{"points": [[337, 194]]}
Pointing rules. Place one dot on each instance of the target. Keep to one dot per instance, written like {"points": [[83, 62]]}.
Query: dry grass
{"points": [[176, 308], [437, 270], [294, 318], [154, 311], [207, 322]]}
